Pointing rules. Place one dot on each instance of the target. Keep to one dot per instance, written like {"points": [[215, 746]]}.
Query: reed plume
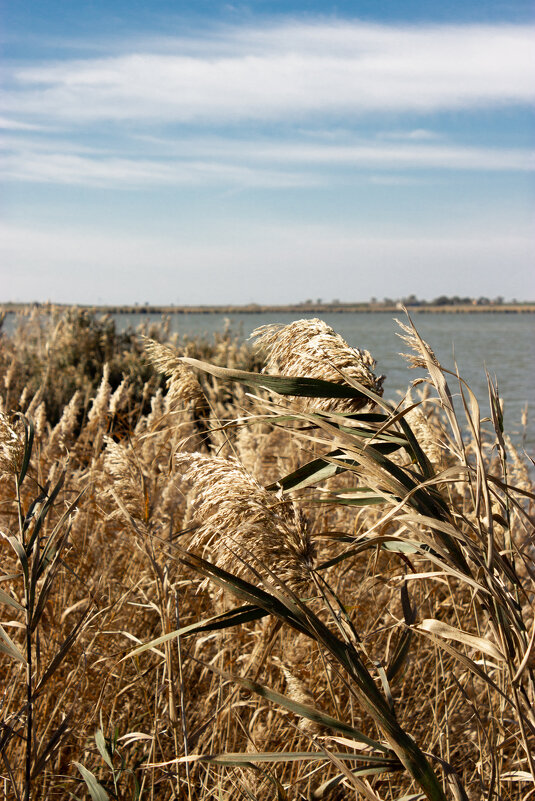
{"points": [[11, 446], [428, 427], [237, 516], [127, 480], [311, 349], [100, 408], [181, 381], [120, 397], [62, 433], [422, 353]]}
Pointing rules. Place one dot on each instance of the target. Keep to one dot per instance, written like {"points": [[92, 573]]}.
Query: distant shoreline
{"points": [[302, 309]]}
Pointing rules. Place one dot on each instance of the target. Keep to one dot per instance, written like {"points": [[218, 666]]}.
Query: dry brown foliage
{"points": [[164, 470]]}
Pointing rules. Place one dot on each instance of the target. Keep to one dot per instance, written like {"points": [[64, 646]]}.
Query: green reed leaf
{"points": [[96, 790], [283, 385]]}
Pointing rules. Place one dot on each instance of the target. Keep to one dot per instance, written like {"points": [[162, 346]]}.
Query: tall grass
{"points": [[219, 582]]}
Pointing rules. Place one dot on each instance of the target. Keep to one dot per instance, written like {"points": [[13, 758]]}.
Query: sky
{"points": [[266, 152]]}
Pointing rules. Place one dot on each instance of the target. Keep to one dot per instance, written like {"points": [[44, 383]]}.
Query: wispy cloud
{"points": [[14, 125], [260, 163], [122, 173], [287, 71], [373, 155]]}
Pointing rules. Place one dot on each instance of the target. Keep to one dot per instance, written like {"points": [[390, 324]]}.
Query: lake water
{"points": [[503, 343]]}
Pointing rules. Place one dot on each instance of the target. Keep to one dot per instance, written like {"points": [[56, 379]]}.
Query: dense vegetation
{"points": [[219, 583]]}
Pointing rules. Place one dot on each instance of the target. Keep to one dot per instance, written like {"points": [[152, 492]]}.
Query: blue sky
{"points": [[171, 152]]}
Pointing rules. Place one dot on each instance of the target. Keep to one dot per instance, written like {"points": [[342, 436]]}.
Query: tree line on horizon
{"points": [[413, 300]]}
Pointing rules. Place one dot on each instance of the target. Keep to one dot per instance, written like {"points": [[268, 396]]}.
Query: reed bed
{"points": [[244, 572]]}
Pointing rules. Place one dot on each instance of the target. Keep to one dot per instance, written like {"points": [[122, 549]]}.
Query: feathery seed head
{"points": [[420, 348], [298, 691], [127, 478], [23, 400], [311, 349], [182, 382], [428, 429], [40, 420], [99, 409], [119, 397], [11, 446], [10, 374], [68, 421], [236, 515]]}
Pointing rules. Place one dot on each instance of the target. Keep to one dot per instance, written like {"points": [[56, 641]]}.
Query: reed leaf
{"points": [[8, 647], [304, 711], [8, 600], [95, 789], [282, 385], [447, 632], [296, 614], [29, 434], [240, 758]]}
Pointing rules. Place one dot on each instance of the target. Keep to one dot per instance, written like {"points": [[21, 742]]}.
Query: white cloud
{"points": [[287, 72], [14, 125]]}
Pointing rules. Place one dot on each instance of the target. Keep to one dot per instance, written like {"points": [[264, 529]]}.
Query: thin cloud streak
{"points": [[117, 173], [14, 125], [216, 162], [286, 73], [374, 155]]}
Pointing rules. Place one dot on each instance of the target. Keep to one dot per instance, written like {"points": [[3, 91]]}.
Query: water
{"points": [[503, 343]]}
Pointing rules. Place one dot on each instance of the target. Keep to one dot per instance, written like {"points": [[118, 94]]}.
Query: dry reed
{"points": [[370, 568], [238, 518]]}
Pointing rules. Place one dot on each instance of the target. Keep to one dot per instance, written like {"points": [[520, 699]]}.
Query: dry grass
{"points": [[386, 589]]}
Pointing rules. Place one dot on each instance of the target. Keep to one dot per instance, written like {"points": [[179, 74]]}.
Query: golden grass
{"points": [[391, 592]]}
